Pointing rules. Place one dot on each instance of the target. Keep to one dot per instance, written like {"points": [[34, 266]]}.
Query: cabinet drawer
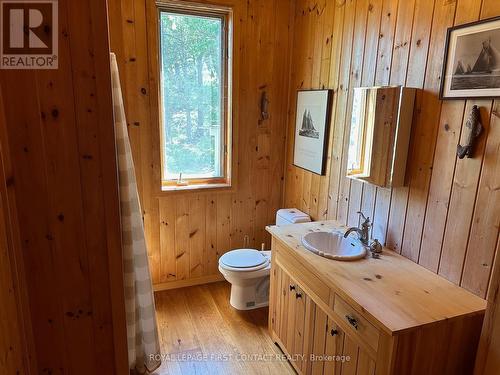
{"points": [[355, 323], [308, 280]]}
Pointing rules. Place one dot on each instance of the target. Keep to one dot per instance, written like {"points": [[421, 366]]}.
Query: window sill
{"points": [[194, 187]]}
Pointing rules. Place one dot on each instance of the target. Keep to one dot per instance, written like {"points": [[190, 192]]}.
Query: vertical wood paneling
{"points": [[196, 218], [415, 73], [62, 180], [372, 45], [425, 126], [340, 84], [448, 205], [182, 239], [14, 321], [210, 259], [486, 219], [345, 84], [442, 178], [461, 206], [399, 69], [352, 190], [482, 255], [488, 357], [391, 11], [330, 41], [167, 240]]}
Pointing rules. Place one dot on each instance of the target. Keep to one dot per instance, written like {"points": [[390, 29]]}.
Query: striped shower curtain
{"points": [[142, 332]]}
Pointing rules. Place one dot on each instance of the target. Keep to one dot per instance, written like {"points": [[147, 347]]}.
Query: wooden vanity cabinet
{"points": [[308, 335], [323, 333]]}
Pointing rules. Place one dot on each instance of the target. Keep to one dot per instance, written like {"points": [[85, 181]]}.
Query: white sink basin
{"points": [[334, 246]]}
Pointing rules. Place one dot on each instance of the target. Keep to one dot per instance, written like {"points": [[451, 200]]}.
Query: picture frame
{"points": [[471, 65], [312, 124]]}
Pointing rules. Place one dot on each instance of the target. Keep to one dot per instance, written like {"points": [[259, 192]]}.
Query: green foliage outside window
{"points": [[191, 66]]}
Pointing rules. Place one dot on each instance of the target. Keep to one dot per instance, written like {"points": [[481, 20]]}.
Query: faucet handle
{"points": [[366, 219], [375, 246]]}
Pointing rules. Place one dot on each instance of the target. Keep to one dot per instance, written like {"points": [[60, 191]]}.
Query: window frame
{"points": [[225, 14]]}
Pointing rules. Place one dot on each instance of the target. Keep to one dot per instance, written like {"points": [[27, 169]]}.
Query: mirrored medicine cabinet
{"points": [[380, 134]]}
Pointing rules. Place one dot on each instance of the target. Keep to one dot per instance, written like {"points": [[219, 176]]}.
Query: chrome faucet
{"points": [[363, 232]]}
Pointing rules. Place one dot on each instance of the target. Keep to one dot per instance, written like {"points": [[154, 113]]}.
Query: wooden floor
{"points": [[199, 321]]}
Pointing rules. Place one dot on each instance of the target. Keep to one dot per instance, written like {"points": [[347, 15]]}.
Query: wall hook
{"points": [[475, 128]]}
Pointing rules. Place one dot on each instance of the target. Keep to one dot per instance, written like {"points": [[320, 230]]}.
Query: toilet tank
{"points": [[287, 216]]}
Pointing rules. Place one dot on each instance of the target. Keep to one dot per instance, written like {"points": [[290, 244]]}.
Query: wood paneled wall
{"points": [[447, 217], [188, 231], [58, 156], [488, 357], [16, 340]]}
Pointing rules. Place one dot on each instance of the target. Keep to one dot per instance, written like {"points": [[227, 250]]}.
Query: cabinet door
{"points": [[316, 365], [359, 362], [303, 328], [277, 296], [282, 320], [293, 318], [334, 349], [283, 307], [274, 292], [298, 305]]}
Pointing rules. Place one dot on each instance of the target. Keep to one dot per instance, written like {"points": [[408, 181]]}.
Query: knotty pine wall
{"points": [[447, 218], [59, 202], [188, 231], [14, 323], [488, 356]]}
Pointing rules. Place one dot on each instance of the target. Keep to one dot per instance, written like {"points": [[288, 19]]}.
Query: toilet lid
{"points": [[243, 258]]}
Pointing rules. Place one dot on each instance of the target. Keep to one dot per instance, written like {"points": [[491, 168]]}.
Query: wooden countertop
{"points": [[396, 293]]}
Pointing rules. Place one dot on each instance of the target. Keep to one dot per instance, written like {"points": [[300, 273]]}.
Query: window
{"points": [[194, 93]]}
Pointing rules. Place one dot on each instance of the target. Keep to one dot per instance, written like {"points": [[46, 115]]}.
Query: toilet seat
{"points": [[244, 260]]}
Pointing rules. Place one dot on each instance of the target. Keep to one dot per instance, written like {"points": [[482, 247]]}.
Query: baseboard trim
{"points": [[187, 282]]}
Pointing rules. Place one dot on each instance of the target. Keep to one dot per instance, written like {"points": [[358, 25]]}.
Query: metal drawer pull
{"points": [[292, 287], [298, 295], [352, 321], [334, 332]]}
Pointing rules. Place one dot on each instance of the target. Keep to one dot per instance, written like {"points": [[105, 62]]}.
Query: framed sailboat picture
{"points": [[472, 61], [311, 129]]}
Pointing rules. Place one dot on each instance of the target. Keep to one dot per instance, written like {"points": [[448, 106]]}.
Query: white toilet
{"points": [[248, 269]]}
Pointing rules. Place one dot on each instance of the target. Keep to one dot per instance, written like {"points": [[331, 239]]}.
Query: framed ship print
{"points": [[471, 66], [311, 129]]}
